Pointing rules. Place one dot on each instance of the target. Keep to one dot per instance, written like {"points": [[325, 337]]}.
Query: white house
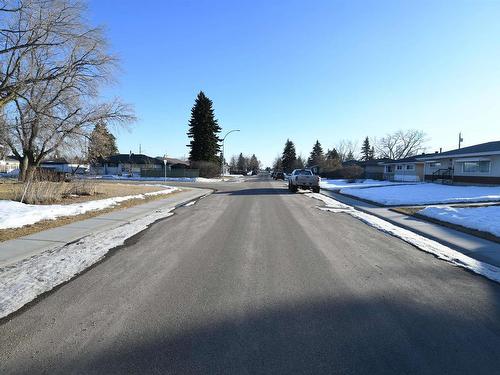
{"points": [[478, 164], [8, 164]]}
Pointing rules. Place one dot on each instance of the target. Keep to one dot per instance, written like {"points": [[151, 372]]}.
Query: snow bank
{"points": [[421, 242], [486, 219], [426, 193], [24, 281], [225, 178], [15, 214], [338, 184]]}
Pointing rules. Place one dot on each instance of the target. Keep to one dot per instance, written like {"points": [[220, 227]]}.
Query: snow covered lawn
{"points": [[340, 184], [426, 193], [15, 215], [486, 219]]}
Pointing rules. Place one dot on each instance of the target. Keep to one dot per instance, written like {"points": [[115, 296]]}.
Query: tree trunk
{"points": [[26, 169]]}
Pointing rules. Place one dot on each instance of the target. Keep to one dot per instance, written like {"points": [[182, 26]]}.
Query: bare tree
{"points": [[59, 102], [401, 144], [347, 149]]}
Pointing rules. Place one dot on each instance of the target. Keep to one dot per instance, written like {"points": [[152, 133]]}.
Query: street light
{"points": [[222, 158], [165, 167]]}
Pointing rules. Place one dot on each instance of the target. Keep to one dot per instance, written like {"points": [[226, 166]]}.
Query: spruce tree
{"points": [[203, 131], [300, 163], [254, 164], [317, 157], [372, 153], [242, 163], [289, 158], [102, 143], [366, 150]]}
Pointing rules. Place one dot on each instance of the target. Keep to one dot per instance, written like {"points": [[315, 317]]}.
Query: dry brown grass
{"points": [[47, 192], [9, 234]]}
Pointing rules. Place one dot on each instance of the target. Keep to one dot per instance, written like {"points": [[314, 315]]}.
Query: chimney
{"points": [[440, 149]]}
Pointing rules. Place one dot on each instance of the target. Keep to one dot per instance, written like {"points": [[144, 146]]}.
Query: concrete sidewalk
{"points": [[24, 247], [472, 246]]}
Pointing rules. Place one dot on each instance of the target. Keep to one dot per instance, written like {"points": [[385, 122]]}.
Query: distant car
{"points": [[279, 176], [303, 179]]}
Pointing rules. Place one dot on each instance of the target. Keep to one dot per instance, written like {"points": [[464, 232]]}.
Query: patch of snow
{"points": [[486, 219], [24, 281], [421, 242], [338, 184], [426, 193], [225, 178], [15, 214]]}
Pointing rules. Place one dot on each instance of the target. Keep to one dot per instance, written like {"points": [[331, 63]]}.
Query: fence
{"points": [[173, 172]]}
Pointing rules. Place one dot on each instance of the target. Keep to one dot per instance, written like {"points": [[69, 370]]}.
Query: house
{"points": [[478, 164], [143, 166], [8, 164], [409, 169], [62, 165]]}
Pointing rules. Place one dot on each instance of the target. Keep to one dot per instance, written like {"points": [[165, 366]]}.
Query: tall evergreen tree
{"points": [[203, 131], [289, 158], [317, 157], [300, 163], [242, 163], [254, 164], [102, 143], [372, 153], [350, 156], [277, 164], [332, 154], [366, 150]]}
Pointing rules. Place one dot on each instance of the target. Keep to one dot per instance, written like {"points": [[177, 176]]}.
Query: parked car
{"points": [[279, 176], [303, 179]]}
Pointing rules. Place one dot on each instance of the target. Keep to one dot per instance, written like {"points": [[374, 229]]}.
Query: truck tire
{"points": [[315, 189]]}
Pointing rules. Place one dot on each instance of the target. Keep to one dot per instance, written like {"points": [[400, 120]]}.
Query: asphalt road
{"points": [[254, 280]]}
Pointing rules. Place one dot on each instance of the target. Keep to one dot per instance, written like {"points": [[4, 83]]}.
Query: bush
{"points": [[207, 169], [352, 172], [47, 192]]}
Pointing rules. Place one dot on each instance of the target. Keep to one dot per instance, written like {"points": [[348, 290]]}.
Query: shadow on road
{"points": [[347, 336], [256, 191]]}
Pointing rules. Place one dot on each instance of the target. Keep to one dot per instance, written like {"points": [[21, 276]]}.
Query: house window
{"points": [[389, 168], [476, 166], [399, 167], [435, 165], [410, 167]]}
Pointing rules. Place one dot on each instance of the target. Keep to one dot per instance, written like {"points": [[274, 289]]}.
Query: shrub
{"points": [[47, 192], [352, 172], [207, 168]]}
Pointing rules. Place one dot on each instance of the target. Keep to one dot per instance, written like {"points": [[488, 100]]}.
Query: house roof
{"points": [[409, 159], [55, 161], [132, 158], [142, 159], [487, 148]]}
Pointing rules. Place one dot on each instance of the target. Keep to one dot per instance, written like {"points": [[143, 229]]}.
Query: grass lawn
{"points": [[103, 190]]}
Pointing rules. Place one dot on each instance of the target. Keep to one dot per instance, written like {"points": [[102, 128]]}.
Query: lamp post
{"points": [[222, 158], [165, 167]]}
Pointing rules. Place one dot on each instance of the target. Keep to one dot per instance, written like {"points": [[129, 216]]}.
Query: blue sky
{"points": [[305, 70]]}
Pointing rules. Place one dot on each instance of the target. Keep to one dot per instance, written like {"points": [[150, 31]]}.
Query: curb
{"points": [[52, 245]]}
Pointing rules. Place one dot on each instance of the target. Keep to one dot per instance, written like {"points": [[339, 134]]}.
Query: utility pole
{"points": [[460, 139]]}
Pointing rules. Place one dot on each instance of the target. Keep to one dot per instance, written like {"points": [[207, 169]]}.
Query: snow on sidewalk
{"points": [[15, 214], [23, 282], [486, 219], [337, 184], [421, 242], [426, 193]]}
